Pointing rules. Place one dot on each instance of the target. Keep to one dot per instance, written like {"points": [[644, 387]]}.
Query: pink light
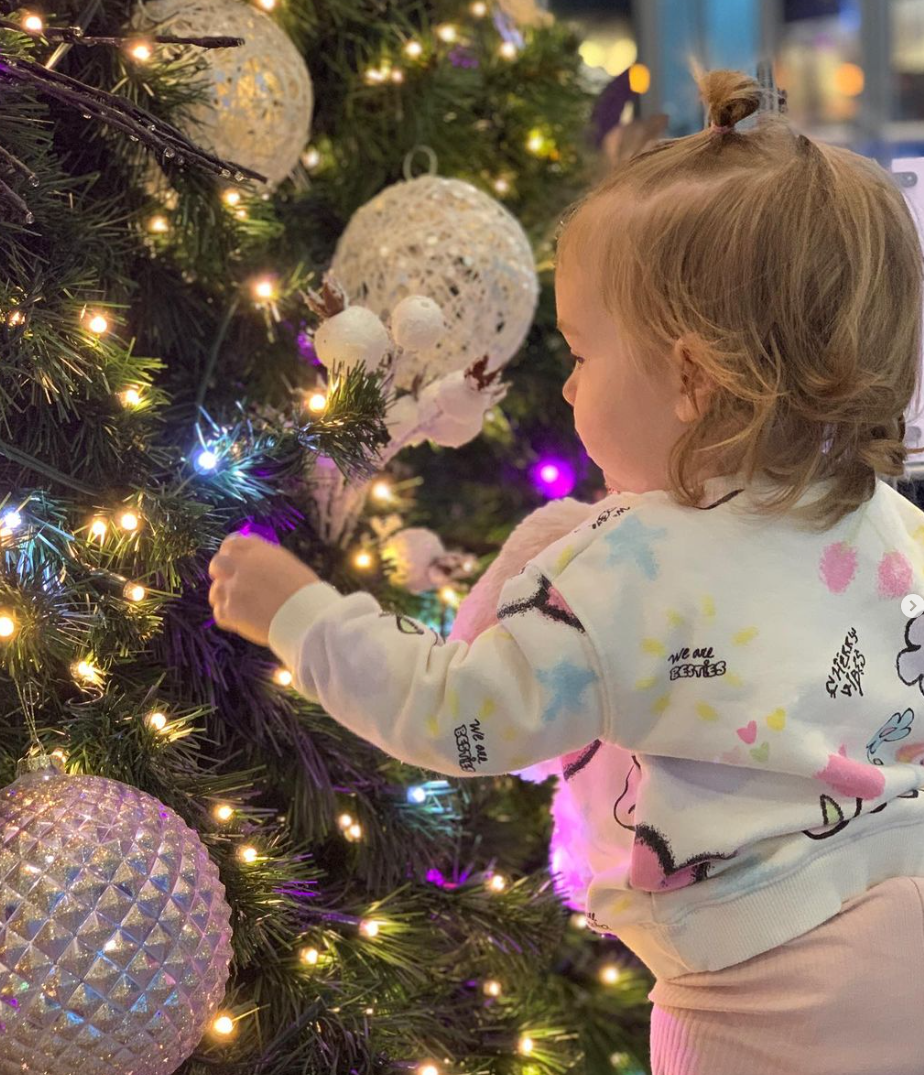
{"points": [[554, 478]]}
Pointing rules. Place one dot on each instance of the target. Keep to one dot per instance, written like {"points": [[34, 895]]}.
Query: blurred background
{"points": [[853, 69]]}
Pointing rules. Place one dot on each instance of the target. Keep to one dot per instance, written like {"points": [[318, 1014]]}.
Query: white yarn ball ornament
{"points": [[447, 240], [260, 94], [417, 323], [351, 338], [413, 553]]}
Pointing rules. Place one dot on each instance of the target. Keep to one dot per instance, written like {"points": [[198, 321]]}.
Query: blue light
{"points": [[206, 460], [417, 795], [12, 519]]}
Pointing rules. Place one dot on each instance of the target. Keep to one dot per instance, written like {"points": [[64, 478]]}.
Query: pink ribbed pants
{"points": [[845, 999]]}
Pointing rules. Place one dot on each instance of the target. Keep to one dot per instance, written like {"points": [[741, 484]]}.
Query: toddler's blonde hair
{"points": [[792, 272]]}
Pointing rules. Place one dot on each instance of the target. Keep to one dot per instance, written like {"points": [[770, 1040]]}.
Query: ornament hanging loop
{"points": [[432, 162], [37, 757]]}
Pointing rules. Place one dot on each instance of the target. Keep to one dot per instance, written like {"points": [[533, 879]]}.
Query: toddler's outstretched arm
{"points": [[524, 691]]}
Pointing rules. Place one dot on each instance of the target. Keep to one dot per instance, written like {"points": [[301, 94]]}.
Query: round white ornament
{"points": [[260, 95], [447, 240], [417, 323], [351, 338], [413, 553]]}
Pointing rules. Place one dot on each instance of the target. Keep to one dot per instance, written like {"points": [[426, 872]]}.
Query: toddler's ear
{"points": [[694, 388]]}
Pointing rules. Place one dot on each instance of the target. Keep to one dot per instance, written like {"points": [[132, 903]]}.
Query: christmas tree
{"points": [[167, 214]]}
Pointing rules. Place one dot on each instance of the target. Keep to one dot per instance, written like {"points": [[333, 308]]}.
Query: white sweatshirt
{"points": [[737, 696]]}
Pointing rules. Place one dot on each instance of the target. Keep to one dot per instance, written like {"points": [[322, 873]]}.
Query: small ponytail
{"points": [[729, 97]]}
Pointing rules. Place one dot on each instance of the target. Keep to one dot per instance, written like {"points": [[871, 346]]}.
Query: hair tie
{"points": [[722, 130]]}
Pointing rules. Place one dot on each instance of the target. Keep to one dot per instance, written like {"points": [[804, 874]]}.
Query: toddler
{"points": [[718, 653]]}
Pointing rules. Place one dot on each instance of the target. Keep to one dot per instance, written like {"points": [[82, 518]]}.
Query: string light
{"points": [[428, 1069], [248, 854], [354, 832], [131, 397], [417, 794], [508, 50], [264, 290], [59, 756], [157, 721], [447, 32], [223, 1025], [223, 812], [414, 49], [468, 565], [206, 460], [501, 185], [158, 224], [449, 596], [267, 5], [241, 214], [88, 672], [639, 78], [609, 974], [134, 591], [497, 883], [369, 927], [363, 560], [99, 528], [12, 520], [311, 158], [7, 626], [33, 24], [536, 142], [526, 1045], [98, 324], [479, 9], [317, 402], [397, 75], [231, 197], [17, 317], [579, 921], [129, 521], [283, 677], [493, 988], [310, 956], [382, 491], [344, 821], [375, 74], [140, 51]]}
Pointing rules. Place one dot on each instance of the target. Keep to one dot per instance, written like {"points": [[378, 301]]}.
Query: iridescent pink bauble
{"points": [[115, 936]]}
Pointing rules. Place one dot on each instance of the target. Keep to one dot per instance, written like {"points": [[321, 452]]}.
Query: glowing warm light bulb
{"points": [[317, 402], [310, 956], [241, 214], [479, 9], [413, 49], [264, 289], [354, 832], [224, 1025], [88, 672], [231, 197], [7, 626], [33, 24], [140, 51], [535, 142], [397, 75], [579, 921], [249, 854], [311, 158], [447, 32], [131, 397], [508, 50], [344, 821], [283, 677], [428, 1069], [374, 75], [267, 5], [639, 78], [493, 988], [526, 1045], [99, 528], [157, 721], [59, 756], [497, 883], [449, 596], [849, 79], [363, 560], [468, 565], [158, 224], [17, 317], [129, 521], [98, 324], [382, 491], [223, 812], [501, 185], [134, 591], [609, 974], [369, 927]]}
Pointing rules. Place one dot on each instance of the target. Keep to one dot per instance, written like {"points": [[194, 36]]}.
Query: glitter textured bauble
{"points": [[447, 240], [115, 936], [261, 96]]}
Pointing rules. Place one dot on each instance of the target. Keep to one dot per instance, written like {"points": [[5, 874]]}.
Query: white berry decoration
{"points": [[351, 338], [417, 323]]}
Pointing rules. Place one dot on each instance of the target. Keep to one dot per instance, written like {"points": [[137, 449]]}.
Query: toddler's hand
{"points": [[253, 580]]}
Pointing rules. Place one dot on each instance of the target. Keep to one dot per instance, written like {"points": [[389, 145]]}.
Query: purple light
{"points": [[554, 478], [253, 528]]}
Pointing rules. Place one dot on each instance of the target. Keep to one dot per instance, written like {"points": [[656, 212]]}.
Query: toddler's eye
{"points": [[578, 361]]}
